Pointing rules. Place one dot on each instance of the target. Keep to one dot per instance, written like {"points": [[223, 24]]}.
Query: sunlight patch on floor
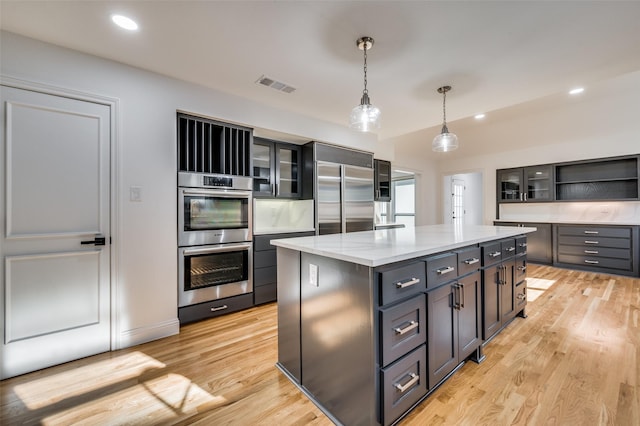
{"points": [[54, 388], [536, 287]]}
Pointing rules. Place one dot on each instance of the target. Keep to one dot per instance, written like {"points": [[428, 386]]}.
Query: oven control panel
{"points": [[217, 181]]}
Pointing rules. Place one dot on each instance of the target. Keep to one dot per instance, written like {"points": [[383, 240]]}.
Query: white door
{"points": [[55, 299], [457, 201]]}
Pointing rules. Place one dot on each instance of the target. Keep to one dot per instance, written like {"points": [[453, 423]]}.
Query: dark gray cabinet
{"points": [[500, 277], [539, 243], [382, 180], [277, 169], [265, 270], [525, 184]]}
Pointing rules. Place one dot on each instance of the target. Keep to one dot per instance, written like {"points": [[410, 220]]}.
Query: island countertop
{"points": [[381, 247]]}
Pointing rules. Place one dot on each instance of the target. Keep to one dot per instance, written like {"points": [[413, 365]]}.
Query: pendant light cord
{"points": [[444, 110], [365, 91]]}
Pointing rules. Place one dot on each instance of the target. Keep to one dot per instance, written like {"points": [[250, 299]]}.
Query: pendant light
{"points": [[445, 141], [365, 117]]}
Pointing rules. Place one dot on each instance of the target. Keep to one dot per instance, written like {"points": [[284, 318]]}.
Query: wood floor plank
{"points": [[574, 360]]}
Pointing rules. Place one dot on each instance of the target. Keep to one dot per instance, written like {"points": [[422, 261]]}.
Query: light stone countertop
{"points": [[375, 248]]}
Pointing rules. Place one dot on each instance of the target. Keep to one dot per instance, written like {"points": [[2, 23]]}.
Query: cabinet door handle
{"points": [[525, 196], [592, 262], [521, 197], [412, 281], [219, 308], [445, 270], [494, 254], [591, 232], [591, 251], [472, 261], [461, 297], [413, 381], [411, 326], [591, 242]]}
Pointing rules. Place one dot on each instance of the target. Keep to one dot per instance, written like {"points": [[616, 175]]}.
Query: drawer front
{"points": [[590, 231], [599, 262], [441, 269], [401, 282], [521, 268], [214, 308], [521, 245], [403, 384], [263, 242], [265, 294], [594, 241], [263, 259], [264, 276], [508, 248], [596, 251], [469, 260], [521, 295], [403, 327], [491, 253]]}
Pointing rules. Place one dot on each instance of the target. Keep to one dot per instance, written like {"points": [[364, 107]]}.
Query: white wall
{"points": [[146, 242]]}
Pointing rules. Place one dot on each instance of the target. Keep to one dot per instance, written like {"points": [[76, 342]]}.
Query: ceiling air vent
{"points": [[277, 85]]}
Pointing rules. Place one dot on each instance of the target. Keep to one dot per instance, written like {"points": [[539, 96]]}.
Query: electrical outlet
{"points": [[313, 274], [135, 193]]}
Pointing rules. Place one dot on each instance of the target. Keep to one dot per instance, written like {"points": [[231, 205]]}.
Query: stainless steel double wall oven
{"points": [[214, 237]]}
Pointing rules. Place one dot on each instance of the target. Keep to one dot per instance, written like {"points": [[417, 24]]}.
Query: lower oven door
{"points": [[213, 272]]}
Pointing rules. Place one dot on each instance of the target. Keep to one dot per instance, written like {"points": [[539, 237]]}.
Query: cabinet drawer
{"points": [[468, 260], [521, 295], [521, 245], [594, 241], [508, 248], [491, 253], [401, 282], [600, 231], [262, 259], [403, 384], [214, 308], [403, 327], [263, 276], [596, 251], [441, 269], [599, 262], [263, 242], [520, 272]]}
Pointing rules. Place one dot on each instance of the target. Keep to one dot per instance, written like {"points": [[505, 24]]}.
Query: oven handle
{"points": [[218, 249], [218, 193]]}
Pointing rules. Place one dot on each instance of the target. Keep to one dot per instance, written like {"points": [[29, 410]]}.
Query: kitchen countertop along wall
{"points": [[605, 213]]}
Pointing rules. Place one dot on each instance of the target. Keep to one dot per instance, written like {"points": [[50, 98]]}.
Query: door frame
{"points": [[115, 172]]}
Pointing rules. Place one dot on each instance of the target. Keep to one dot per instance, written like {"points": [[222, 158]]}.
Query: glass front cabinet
{"points": [[277, 168], [525, 184]]}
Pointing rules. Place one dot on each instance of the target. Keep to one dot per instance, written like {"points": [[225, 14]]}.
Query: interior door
{"points": [[457, 202], [55, 298]]}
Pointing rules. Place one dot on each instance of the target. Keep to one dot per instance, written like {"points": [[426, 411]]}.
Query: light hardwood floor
{"points": [[573, 361]]}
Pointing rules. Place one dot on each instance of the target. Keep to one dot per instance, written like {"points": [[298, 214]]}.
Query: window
{"points": [[403, 204]]}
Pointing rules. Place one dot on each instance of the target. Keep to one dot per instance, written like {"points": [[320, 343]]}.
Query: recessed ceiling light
{"points": [[479, 116], [124, 22], [576, 91]]}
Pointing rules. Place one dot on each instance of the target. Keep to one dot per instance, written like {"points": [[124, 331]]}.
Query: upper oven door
{"points": [[213, 216]]}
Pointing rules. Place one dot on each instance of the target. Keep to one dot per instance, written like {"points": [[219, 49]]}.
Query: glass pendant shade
{"points": [[445, 141], [365, 117]]}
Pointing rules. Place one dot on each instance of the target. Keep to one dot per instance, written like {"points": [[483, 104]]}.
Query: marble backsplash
{"points": [[271, 216], [610, 213]]}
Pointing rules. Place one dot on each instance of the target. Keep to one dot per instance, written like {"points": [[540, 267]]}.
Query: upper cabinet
{"points": [[604, 179], [277, 168], [382, 180], [525, 184]]}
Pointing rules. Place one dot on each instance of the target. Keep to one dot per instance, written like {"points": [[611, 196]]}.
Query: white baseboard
{"points": [[140, 335]]}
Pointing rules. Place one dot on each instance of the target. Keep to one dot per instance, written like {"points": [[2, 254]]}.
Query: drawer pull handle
{"points": [[219, 308], [522, 296], [591, 232], [412, 281], [522, 268], [445, 270], [591, 242], [592, 262], [472, 261], [411, 326], [413, 381], [511, 248], [523, 245], [494, 254], [591, 251]]}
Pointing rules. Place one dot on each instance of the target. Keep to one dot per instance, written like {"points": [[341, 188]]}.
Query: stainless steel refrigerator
{"points": [[344, 198]]}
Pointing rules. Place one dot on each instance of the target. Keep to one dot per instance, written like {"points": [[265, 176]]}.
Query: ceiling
{"points": [[495, 54]]}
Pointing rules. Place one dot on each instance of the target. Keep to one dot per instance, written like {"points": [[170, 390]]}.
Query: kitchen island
{"points": [[369, 323]]}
